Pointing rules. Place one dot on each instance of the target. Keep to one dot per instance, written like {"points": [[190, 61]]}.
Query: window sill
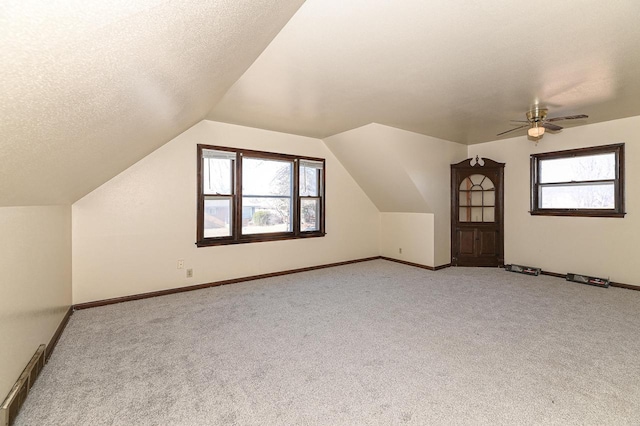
{"points": [[257, 239], [577, 213]]}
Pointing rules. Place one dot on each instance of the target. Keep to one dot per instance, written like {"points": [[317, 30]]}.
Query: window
{"points": [[250, 196], [579, 182]]}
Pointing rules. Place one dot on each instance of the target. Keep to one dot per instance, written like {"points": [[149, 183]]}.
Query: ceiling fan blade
{"points": [[518, 121], [568, 117], [513, 130], [550, 126]]}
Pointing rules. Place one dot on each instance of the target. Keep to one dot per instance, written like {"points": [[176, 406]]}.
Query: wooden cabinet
{"points": [[477, 213]]}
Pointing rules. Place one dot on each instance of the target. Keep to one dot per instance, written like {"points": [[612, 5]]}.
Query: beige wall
{"points": [[35, 283], [404, 172], [368, 153], [129, 233], [411, 232], [427, 160], [605, 247]]}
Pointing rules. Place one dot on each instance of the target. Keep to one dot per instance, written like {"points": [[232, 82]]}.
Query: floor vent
{"points": [[528, 270], [11, 405], [584, 279]]}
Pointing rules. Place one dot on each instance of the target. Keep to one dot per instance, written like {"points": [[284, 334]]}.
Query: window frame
{"points": [[236, 236], [618, 181]]}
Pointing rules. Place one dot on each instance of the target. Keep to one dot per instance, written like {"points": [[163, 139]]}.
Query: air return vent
{"points": [[528, 270], [584, 279], [11, 405]]}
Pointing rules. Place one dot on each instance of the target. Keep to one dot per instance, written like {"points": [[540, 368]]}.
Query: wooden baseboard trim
{"points": [[56, 336], [417, 265], [611, 284], [553, 274], [140, 296], [446, 265], [115, 300], [623, 285]]}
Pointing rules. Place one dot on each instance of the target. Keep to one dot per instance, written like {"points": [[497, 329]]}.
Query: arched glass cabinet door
{"points": [[477, 214], [477, 199]]}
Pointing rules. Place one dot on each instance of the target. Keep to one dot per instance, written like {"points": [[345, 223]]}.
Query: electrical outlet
{"points": [[400, 250], [180, 263], [189, 273]]}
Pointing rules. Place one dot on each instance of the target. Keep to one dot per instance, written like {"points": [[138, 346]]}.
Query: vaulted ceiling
{"points": [[457, 70], [87, 88]]}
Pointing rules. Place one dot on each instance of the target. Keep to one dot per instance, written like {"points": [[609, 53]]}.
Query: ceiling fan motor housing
{"points": [[536, 115]]}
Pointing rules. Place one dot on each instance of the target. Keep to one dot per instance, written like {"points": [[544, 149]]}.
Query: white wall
{"points": [[129, 233], [411, 232], [404, 172], [605, 247], [35, 283]]}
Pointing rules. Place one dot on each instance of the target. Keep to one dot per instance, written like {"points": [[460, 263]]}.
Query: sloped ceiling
{"points": [[87, 88], [368, 154], [457, 70], [400, 171]]}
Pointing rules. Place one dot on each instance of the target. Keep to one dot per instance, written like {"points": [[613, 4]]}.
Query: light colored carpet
{"points": [[369, 343]]}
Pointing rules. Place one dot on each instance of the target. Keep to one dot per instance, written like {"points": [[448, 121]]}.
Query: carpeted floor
{"points": [[368, 343]]}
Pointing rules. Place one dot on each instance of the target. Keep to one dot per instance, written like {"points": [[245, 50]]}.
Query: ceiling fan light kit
{"points": [[535, 131], [537, 122]]}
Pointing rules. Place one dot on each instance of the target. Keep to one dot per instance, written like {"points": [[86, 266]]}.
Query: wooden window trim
{"points": [[617, 212], [236, 234]]}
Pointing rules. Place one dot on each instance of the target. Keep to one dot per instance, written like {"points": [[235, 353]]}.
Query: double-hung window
{"points": [[579, 182], [250, 196], [311, 184]]}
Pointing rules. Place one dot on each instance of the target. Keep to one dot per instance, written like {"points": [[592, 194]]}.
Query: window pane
{"points": [[266, 177], [309, 214], [489, 198], [471, 214], [477, 183], [217, 176], [217, 217], [465, 214], [487, 184], [476, 198], [588, 167], [265, 215], [598, 196], [489, 214], [476, 179], [309, 181], [477, 214], [465, 184], [465, 198]]}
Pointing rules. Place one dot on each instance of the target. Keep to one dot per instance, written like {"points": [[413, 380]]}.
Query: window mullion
{"points": [[237, 204], [295, 194]]}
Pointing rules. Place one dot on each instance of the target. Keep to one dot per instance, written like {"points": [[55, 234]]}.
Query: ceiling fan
{"points": [[537, 122]]}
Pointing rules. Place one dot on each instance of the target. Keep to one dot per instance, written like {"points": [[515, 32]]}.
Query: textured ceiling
{"points": [[87, 88], [457, 70]]}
